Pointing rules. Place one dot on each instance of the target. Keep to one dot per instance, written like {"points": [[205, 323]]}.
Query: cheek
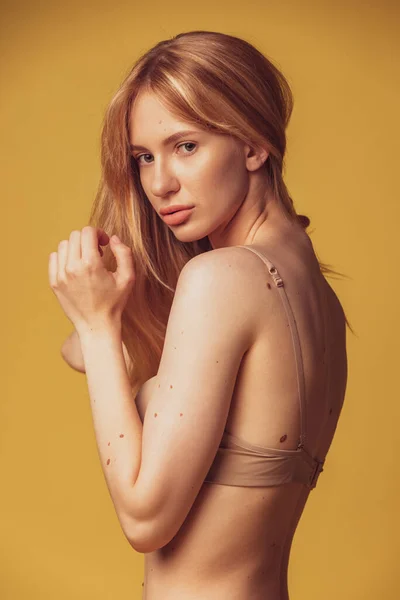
{"points": [[145, 182], [223, 173], [230, 178]]}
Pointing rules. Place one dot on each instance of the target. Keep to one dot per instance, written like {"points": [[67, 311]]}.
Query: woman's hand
{"points": [[89, 294]]}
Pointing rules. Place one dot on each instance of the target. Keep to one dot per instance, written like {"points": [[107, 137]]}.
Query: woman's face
{"points": [[203, 170]]}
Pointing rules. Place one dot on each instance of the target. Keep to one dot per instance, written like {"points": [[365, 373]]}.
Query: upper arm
{"points": [[210, 327]]}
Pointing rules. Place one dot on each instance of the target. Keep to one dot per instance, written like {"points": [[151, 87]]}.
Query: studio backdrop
{"points": [[61, 62]]}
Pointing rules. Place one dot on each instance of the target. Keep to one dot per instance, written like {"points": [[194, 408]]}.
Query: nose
{"points": [[164, 179]]}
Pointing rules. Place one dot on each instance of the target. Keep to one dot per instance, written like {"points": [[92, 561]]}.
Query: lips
{"points": [[177, 217], [174, 208]]}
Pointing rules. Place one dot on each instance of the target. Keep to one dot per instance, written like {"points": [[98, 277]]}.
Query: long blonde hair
{"points": [[217, 82]]}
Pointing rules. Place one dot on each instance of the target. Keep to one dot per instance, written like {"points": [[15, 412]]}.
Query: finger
{"points": [[102, 236], [74, 248], [90, 245], [103, 240], [62, 259], [125, 268], [52, 269]]}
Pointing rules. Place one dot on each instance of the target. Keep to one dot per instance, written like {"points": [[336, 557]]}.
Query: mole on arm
{"points": [[283, 438]]}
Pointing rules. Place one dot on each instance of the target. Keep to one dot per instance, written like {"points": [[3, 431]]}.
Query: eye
{"points": [[188, 144], [139, 156]]}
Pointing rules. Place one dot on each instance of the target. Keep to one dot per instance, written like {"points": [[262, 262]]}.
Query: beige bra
{"points": [[240, 463]]}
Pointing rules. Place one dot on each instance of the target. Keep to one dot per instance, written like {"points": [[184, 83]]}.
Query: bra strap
{"points": [[295, 339]]}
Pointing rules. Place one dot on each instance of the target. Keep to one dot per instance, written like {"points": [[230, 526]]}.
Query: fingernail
{"points": [[116, 239]]}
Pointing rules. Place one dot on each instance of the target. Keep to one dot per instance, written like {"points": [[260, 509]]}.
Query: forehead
{"points": [[150, 119]]}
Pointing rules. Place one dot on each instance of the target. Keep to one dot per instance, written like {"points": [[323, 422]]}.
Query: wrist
{"points": [[104, 329]]}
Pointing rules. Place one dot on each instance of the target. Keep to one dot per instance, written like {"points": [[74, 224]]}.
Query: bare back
{"points": [[235, 542]]}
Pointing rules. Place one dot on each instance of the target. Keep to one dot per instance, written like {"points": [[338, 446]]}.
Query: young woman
{"points": [[234, 341]]}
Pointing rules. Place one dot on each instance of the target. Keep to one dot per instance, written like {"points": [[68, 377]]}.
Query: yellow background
{"points": [[60, 65]]}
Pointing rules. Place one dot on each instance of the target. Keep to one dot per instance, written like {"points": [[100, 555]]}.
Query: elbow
{"points": [[150, 525], [149, 535], [145, 537]]}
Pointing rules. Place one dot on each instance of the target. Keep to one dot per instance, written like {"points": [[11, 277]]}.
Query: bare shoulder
{"points": [[225, 285], [232, 263], [231, 273]]}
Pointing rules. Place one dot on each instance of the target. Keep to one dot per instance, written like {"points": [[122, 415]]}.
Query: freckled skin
{"points": [[121, 435], [180, 414], [283, 438], [269, 286], [155, 414], [108, 462], [108, 444], [170, 386]]}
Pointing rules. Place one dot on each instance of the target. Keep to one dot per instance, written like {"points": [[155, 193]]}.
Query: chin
{"points": [[188, 236], [186, 232]]}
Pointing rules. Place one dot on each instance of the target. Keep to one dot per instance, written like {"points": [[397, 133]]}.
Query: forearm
{"points": [[72, 353], [117, 424]]}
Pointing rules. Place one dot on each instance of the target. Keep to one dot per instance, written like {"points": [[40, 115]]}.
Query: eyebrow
{"points": [[169, 140]]}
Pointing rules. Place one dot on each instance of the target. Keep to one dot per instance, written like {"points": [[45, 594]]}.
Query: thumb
{"points": [[123, 254]]}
